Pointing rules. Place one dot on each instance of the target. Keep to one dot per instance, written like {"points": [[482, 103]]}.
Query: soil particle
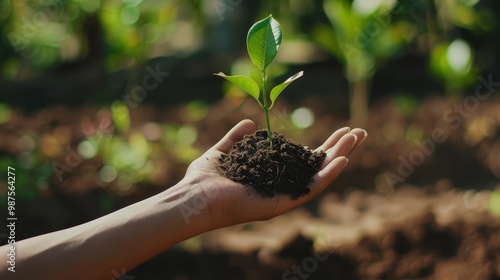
{"points": [[287, 169]]}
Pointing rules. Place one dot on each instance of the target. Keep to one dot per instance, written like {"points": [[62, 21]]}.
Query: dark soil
{"points": [[384, 233], [287, 169], [412, 233]]}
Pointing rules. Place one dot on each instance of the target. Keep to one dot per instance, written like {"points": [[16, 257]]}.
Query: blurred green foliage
{"points": [[494, 203], [47, 32], [364, 35], [5, 113], [120, 115], [455, 38], [452, 63]]}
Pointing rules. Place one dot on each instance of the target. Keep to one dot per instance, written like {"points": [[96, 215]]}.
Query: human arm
{"points": [[203, 200]]}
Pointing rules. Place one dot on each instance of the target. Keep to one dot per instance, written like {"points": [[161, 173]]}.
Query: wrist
{"points": [[207, 201], [190, 204]]}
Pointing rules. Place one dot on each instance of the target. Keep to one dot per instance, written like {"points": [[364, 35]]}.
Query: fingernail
{"points": [[329, 153], [345, 128], [346, 161], [365, 134], [355, 140], [364, 137]]}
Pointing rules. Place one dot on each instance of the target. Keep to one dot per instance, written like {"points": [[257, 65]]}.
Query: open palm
{"points": [[231, 203]]}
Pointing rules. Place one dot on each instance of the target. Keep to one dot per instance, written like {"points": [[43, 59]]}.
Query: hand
{"points": [[155, 224], [231, 203]]}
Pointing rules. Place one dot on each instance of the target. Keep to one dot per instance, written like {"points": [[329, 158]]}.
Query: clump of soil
{"points": [[287, 169]]}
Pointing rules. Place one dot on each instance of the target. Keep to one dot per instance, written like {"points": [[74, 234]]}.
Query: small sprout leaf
{"points": [[243, 82], [263, 44], [276, 91], [264, 41]]}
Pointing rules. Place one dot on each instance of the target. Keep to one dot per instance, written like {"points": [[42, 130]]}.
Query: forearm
{"points": [[122, 239]]}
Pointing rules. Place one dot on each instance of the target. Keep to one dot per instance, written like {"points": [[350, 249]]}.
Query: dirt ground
{"points": [[433, 224], [413, 233]]}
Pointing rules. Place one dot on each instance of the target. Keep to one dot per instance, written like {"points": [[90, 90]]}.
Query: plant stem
{"points": [[358, 101], [266, 109]]}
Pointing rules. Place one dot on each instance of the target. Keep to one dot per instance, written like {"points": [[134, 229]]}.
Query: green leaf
{"points": [[264, 41], [279, 88], [245, 83]]}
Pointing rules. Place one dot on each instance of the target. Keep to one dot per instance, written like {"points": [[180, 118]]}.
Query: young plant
{"points": [[263, 44]]}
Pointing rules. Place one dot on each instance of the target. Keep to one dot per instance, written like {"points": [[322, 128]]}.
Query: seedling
{"points": [[263, 44]]}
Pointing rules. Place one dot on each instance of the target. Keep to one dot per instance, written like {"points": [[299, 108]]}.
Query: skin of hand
{"points": [[231, 203], [202, 201]]}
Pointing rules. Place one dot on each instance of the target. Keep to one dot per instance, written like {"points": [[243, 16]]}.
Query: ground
{"points": [[409, 205]]}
